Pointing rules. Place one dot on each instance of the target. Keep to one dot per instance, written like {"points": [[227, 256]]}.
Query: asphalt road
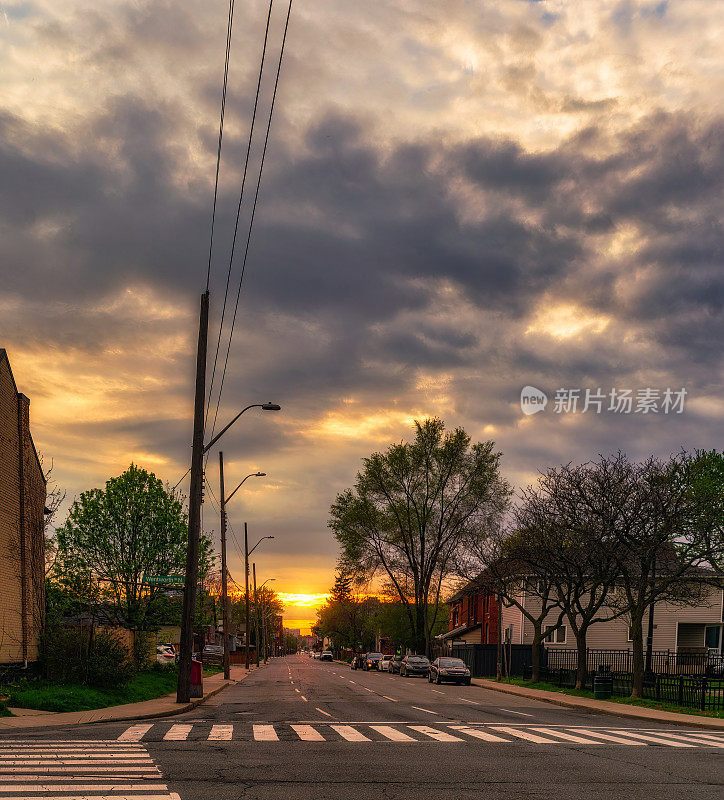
{"points": [[302, 729]]}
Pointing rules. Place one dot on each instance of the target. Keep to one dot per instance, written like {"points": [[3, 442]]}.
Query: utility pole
{"points": [[499, 667], [650, 631], [256, 617], [224, 585], [183, 688], [263, 624], [246, 576]]}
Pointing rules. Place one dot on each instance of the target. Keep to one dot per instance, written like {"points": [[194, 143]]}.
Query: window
{"points": [[555, 636], [711, 637]]}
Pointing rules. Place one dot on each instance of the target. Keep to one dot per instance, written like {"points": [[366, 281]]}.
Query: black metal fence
{"points": [[663, 662], [697, 692], [482, 659]]}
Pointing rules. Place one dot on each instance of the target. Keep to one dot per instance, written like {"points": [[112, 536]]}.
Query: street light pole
{"points": [[183, 686], [246, 578], [256, 618], [224, 585]]}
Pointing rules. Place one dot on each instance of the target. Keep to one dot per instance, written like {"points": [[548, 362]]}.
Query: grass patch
{"points": [[658, 705], [47, 696]]}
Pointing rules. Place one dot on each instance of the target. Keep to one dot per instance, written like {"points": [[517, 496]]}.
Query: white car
{"points": [[383, 664], [165, 655]]}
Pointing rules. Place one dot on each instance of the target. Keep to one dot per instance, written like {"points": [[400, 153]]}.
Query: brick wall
{"points": [[22, 503]]}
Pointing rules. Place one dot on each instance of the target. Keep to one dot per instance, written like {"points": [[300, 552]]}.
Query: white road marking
{"points": [[349, 733], [465, 700], [351, 681], [304, 698], [265, 733], [691, 737], [221, 733], [426, 710], [531, 737], [391, 699], [708, 737], [569, 737], [437, 691], [607, 736], [134, 733], [296, 690], [392, 733], [433, 733], [178, 732], [654, 739], [321, 711], [85, 787], [520, 713], [307, 733], [478, 734]]}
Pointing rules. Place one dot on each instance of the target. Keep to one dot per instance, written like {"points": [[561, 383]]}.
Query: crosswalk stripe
{"points": [[73, 767], [691, 738], [84, 787], [134, 733], [568, 737], [647, 737], [101, 797], [608, 737], [433, 733], [479, 734], [178, 732], [707, 737], [307, 733], [265, 733], [392, 733], [349, 733], [221, 733], [530, 737]]}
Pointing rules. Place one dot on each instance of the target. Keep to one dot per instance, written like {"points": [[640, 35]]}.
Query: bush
{"points": [[70, 655]]}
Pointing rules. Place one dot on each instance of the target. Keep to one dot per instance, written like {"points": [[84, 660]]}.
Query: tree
{"points": [[705, 480], [348, 617], [412, 508], [117, 535]]}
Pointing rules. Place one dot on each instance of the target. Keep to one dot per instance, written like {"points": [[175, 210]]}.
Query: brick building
{"points": [[473, 615], [22, 507]]}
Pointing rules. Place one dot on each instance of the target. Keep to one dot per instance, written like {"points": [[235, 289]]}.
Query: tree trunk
{"points": [[637, 642], [582, 668], [420, 638], [535, 651]]}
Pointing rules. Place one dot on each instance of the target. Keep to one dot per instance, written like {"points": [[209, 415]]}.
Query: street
{"points": [[301, 728]]}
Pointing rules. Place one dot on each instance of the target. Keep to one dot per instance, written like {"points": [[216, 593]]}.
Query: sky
{"points": [[460, 199]]}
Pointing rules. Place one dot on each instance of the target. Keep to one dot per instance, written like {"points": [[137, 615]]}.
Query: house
{"points": [[473, 615], [22, 509]]}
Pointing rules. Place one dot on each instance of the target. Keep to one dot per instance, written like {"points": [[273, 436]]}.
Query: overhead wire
{"points": [[238, 210], [253, 211]]}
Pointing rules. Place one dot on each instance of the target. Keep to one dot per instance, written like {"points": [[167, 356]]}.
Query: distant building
{"points": [[473, 615], [22, 508]]}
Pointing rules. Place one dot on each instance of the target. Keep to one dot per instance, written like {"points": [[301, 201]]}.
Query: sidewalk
{"points": [[604, 706], [165, 706]]}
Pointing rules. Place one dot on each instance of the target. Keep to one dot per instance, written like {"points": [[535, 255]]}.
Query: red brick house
{"points": [[22, 508], [473, 615]]}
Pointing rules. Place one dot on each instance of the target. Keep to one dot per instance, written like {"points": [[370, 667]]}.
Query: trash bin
{"points": [[197, 685], [603, 682]]}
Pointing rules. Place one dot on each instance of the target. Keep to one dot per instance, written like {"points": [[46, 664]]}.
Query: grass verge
{"points": [[47, 696], [657, 705]]}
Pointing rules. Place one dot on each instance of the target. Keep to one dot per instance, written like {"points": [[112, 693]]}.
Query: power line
{"points": [[253, 209], [241, 197], [229, 26]]}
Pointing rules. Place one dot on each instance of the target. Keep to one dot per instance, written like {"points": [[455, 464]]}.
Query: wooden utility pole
{"points": [[183, 689], [224, 585], [246, 576], [256, 617]]}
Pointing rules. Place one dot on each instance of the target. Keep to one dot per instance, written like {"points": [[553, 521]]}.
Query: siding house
{"points": [[473, 615], [22, 508]]}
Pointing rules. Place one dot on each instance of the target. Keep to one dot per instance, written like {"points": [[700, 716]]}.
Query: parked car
{"points": [[316, 654], [371, 661], [383, 665], [394, 665], [414, 665], [356, 662], [326, 656], [172, 648], [449, 669], [165, 656]]}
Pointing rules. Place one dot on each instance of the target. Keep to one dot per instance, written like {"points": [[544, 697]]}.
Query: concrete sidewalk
{"points": [[165, 706], [604, 706]]}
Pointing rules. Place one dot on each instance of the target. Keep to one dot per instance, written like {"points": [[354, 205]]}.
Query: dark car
{"points": [[326, 656], [395, 664], [414, 665], [371, 661], [449, 669]]}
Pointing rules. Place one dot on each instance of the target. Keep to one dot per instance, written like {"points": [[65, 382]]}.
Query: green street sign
{"points": [[164, 579]]}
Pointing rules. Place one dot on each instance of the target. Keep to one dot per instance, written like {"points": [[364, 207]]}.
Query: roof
{"points": [[4, 356], [461, 630]]}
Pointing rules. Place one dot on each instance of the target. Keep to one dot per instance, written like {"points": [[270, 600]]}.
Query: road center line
{"points": [[426, 710], [465, 700], [391, 699], [437, 691], [326, 713], [510, 711], [304, 698]]}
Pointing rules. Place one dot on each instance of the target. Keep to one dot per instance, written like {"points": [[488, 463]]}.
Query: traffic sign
{"points": [[164, 579]]}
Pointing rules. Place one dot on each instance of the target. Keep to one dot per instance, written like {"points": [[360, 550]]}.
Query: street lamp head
{"points": [[260, 474], [271, 407]]}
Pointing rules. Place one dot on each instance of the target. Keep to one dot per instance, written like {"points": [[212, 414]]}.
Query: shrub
{"points": [[108, 663], [70, 655]]}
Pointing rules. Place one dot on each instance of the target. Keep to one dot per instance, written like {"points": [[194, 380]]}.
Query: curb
{"points": [[613, 709], [175, 711]]}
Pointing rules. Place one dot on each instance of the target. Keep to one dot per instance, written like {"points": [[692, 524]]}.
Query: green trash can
{"points": [[603, 683]]}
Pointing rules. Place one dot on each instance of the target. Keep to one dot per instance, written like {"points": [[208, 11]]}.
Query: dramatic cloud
{"points": [[460, 199]]}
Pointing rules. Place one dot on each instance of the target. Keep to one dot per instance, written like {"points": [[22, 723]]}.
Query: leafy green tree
{"points": [[411, 511], [115, 536]]}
